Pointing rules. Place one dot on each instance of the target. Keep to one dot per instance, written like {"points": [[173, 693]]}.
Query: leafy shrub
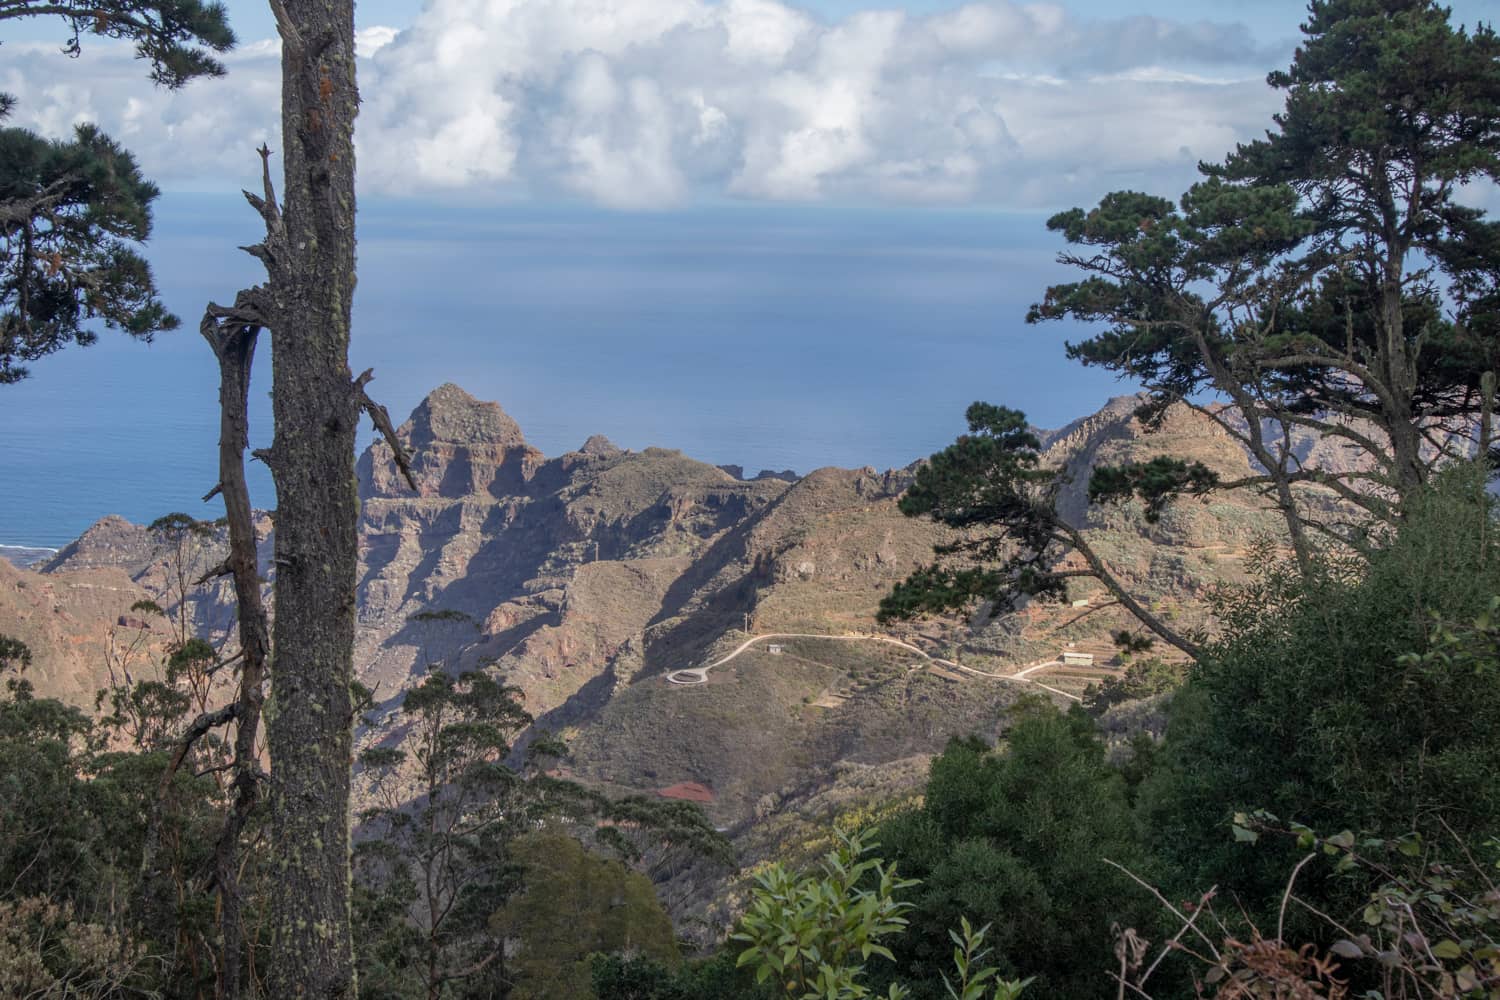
{"points": [[1014, 837], [1353, 707]]}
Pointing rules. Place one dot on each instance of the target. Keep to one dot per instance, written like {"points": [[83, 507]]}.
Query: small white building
{"points": [[1071, 659], [774, 649]]}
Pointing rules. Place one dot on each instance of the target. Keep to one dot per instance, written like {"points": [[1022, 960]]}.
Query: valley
{"points": [[614, 589]]}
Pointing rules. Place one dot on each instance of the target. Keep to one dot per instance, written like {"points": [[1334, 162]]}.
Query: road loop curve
{"points": [[692, 676]]}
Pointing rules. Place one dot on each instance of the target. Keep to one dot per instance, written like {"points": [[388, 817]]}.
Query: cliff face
{"points": [[77, 623], [585, 578], [460, 447], [548, 568]]}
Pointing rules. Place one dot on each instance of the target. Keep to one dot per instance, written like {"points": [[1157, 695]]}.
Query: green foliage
{"points": [[638, 824], [616, 977], [972, 980], [175, 36], [1425, 922], [1143, 679], [80, 207], [1351, 707], [1431, 926], [442, 859], [1156, 482], [175, 526], [989, 478], [444, 615], [991, 486], [1015, 838], [574, 904], [441, 852], [1283, 279], [75, 210], [47, 952], [811, 934], [14, 655], [74, 813]]}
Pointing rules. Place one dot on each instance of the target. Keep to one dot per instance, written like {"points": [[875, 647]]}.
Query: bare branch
{"points": [[223, 569], [1100, 572], [1164, 902], [1170, 945], [290, 36], [1290, 884], [266, 205], [382, 419]]}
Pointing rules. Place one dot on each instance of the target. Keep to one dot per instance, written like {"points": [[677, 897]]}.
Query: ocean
{"points": [[789, 337]]}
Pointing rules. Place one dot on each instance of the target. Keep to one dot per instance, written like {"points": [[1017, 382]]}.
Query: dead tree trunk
{"points": [[232, 334], [233, 342]]}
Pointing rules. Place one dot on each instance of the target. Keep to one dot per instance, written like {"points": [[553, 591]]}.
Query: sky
{"points": [[649, 105], [642, 105], [775, 233]]}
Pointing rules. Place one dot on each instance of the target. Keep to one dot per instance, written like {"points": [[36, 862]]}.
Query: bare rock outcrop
{"points": [[459, 446]]}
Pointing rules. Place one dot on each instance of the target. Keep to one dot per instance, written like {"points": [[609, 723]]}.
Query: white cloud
{"points": [[646, 103], [368, 41]]}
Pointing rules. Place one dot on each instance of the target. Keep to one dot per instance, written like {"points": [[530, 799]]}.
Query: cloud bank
{"points": [[640, 104]]}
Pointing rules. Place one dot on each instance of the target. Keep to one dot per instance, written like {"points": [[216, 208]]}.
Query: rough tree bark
{"points": [[233, 342], [309, 256], [308, 253]]}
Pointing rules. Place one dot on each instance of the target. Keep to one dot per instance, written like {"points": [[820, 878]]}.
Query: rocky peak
{"points": [[109, 541], [459, 447], [600, 446], [1113, 436], [451, 415], [1117, 413]]}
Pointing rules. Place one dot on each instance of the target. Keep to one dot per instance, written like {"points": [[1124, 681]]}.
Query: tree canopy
{"points": [[1327, 280], [177, 37], [993, 486], [1014, 837], [73, 211], [1328, 277]]}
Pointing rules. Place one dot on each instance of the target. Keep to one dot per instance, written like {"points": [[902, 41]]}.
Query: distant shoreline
{"points": [[26, 556]]}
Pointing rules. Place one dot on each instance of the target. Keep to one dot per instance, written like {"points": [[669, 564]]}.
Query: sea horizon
{"points": [[787, 337]]}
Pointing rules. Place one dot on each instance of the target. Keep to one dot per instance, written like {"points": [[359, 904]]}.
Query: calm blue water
{"points": [[768, 338]]}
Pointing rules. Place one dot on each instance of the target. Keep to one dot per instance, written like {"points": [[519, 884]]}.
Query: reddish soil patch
{"points": [[687, 791]]}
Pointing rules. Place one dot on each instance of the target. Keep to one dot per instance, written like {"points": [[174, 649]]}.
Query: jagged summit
{"points": [[458, 445], [450, 414], [1118, 410], [109, 541], [600, 446]]}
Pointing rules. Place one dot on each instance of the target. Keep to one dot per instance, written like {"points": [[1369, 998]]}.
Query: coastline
{"points": [[26, 556]]}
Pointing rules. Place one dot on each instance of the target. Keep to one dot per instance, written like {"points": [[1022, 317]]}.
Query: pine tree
{"points": [[73, 211], [1327, 278]]}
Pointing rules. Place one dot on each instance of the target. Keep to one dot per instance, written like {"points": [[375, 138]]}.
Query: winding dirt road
{"points": [[699, 675]]}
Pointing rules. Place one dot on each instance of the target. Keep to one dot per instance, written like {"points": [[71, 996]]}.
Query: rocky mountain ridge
{"points": [[585, 578]]}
